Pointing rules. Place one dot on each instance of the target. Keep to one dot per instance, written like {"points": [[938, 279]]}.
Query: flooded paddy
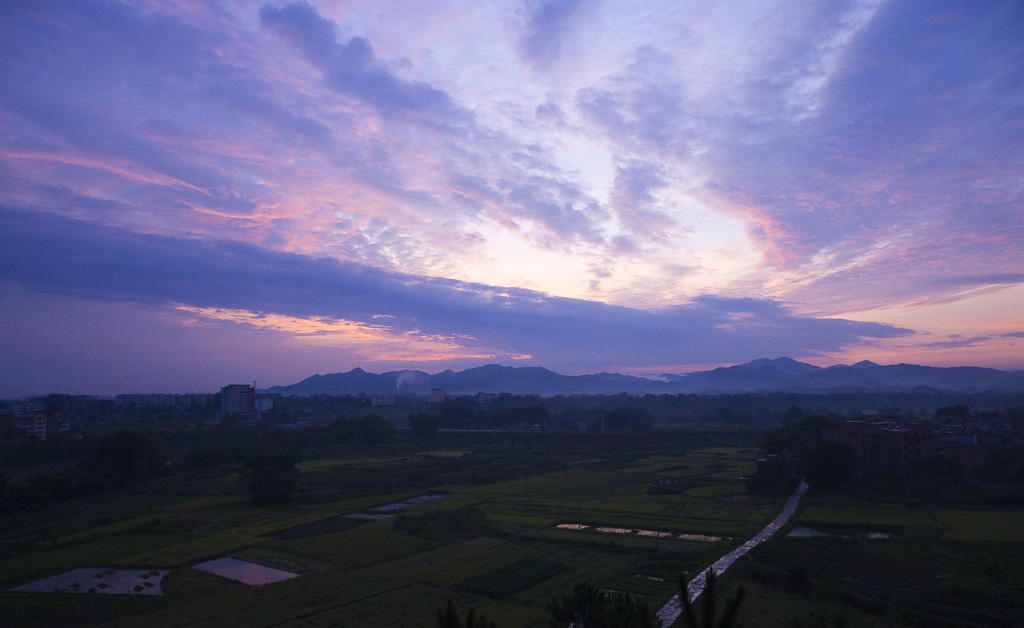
{"points": [[407, 503], [704, 538], [244, 571], [100, 580], [802, 532]]}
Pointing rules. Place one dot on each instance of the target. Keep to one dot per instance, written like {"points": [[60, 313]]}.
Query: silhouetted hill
{"points": [[763, 375]]}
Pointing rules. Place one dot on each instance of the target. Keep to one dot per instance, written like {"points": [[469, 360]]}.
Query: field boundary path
{"points": [[673, 608]]}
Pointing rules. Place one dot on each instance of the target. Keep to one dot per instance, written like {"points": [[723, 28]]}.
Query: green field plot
{"points": [[444, 453], [408, 605], [864, 514], [449, 564], [294, 563], [650, 590], [111, 550], [46, 610], [185, 584], [193, 550], [986, 525], [270, 604], [717, 491], [365, 545], [493, 543], [319, 464], [500, 515], [507, 580]]}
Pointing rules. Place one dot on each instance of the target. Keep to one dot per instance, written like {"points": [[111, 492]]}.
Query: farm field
{"points": [[518, 521], [507, 562]]}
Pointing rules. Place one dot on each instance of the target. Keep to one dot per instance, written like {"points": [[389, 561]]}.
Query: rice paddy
{"points": [[577, 508]]}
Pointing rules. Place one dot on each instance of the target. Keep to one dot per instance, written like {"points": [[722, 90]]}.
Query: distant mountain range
{"points": [[764, 375]]}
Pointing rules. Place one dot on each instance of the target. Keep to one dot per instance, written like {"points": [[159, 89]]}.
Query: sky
{"points": [[202, 192]]}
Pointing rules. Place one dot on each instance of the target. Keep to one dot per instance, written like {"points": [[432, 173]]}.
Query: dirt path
{"points": [[673, 608]]}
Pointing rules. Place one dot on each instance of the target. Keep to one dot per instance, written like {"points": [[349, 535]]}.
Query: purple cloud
{"points": [[353, 69], [106, 264], [548, 24]]}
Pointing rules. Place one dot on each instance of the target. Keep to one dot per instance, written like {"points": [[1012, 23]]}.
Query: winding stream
{"points": [[673, 608]]}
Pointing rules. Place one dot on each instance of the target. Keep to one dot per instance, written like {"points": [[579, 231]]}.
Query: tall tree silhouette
{"points": [[448, 617], [589, 607], [702, 615]]}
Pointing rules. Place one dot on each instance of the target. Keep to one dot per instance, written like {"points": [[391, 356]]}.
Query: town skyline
{"points": [[230, 191]]}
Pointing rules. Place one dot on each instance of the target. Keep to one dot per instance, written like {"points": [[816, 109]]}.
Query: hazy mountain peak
{"points": [[759, 375], [784, 364]]}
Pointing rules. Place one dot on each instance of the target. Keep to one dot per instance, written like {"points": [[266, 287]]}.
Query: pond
{"points": [[407, 503], [244, 571], [802, 532], [703, 538], [100, 580]]}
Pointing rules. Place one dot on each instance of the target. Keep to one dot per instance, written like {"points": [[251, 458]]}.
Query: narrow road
{"points": [[673, 608]]}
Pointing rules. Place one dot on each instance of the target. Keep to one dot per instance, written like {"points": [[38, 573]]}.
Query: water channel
{"points": [[673, 608]]}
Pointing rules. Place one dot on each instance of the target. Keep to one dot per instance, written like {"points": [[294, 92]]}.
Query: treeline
{"points": [[124, 458], [113, 461], [570, 412], [462, 414], [229, 443]]}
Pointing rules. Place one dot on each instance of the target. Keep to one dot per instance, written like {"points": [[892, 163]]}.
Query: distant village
{"points": [[951, 442], [956, 444]]}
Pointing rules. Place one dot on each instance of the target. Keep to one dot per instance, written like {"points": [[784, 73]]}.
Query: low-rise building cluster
{"points": [[895, 449]]}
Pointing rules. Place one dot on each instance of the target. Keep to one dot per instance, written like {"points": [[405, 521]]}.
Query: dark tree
{"points": [[705, 614], [588, 607], [941, 469], [424, 425], [271, 476], [959, 410], [123, 458], [788, 439], [831, 465], [628, 420], [811, 426], [448, 617], [995, 466], [373, 429]]}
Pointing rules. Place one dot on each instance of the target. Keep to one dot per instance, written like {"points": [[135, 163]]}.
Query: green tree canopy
{"points": [[588, 607], [830, 465], [124, 457]]}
